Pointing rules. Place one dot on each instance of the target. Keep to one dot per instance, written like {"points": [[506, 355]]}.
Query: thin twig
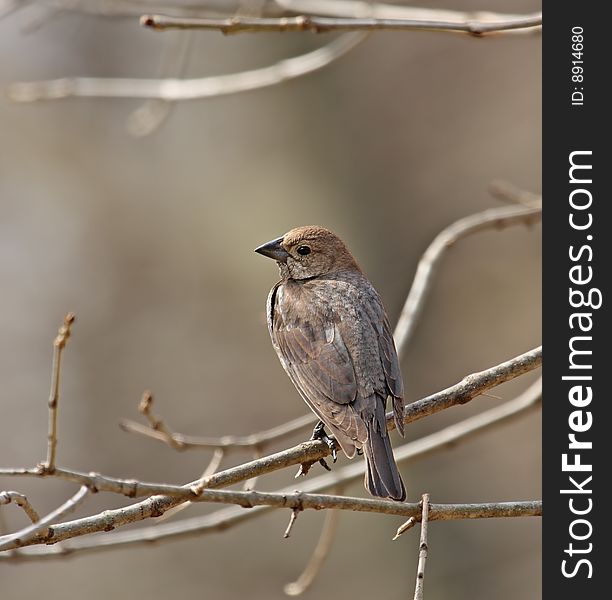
{"points": [[316, 24], [226, 442], [131, 488], [153, 112], [321, 551], [58, 346], [423, 548], [225, 518], [41, 527], [186, 89], [294, 515], [494, 217], [409, 524], [20, 500], [145, 408], [505, 191]]}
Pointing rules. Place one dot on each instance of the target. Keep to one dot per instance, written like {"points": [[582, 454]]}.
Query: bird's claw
{"points": [[319, 433], [305, 467], [324, 464]]}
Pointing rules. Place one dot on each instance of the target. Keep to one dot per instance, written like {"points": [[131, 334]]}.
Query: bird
{"points": [[330, 331]]}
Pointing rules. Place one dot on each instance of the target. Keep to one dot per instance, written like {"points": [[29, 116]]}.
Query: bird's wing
{"points": [[393, 374], [319, 364]]}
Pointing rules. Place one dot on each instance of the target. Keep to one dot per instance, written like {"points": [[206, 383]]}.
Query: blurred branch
{"points": [[315, 24], [428, 265], [420, 579], [505, 191], [278, 8], [39, 529], [20, 500], [153, 112], [58, 347], [356, 8], [186, 89], [126, 8], [227, 442], [9, 6], [321, 551]]}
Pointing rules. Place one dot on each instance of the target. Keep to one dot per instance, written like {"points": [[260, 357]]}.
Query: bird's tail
{"points": [[382, 476]]}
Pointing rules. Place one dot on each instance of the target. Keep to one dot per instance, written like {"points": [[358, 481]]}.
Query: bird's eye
{"points": [[303, 250]]}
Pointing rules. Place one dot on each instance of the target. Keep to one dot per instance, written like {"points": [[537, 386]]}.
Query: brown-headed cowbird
{"points": [[330, 331]]}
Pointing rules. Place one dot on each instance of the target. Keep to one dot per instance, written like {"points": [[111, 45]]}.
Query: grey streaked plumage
{"points": [[330, 331]]}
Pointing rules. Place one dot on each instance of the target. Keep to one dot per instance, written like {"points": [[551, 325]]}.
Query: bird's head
{"points": [[310, 251]]}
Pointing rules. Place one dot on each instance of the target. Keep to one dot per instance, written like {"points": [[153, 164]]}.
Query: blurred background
{"points": [[150, 242]]}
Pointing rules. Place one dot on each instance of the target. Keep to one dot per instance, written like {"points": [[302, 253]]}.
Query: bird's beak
{"points": [[274, 250]]}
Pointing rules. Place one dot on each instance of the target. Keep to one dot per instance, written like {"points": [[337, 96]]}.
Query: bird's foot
{"points": [[319, 433]]}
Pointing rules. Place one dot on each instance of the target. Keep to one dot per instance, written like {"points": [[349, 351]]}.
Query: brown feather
{"points": [[330, 331]]}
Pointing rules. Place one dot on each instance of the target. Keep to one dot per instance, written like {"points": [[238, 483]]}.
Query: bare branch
{"points": [[155, 423], [312, 450], [423, 548], [58, 346], [321, 551], [214, 463], [470, 387], [409, 524], [297, 501], [20, 500], [316, 24], [223, 519], [494, 217], [227, 442], [186, 89], [294, 515], [467, 389], [130, 488], [249, 484], [40, 527], [177, 493]]}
